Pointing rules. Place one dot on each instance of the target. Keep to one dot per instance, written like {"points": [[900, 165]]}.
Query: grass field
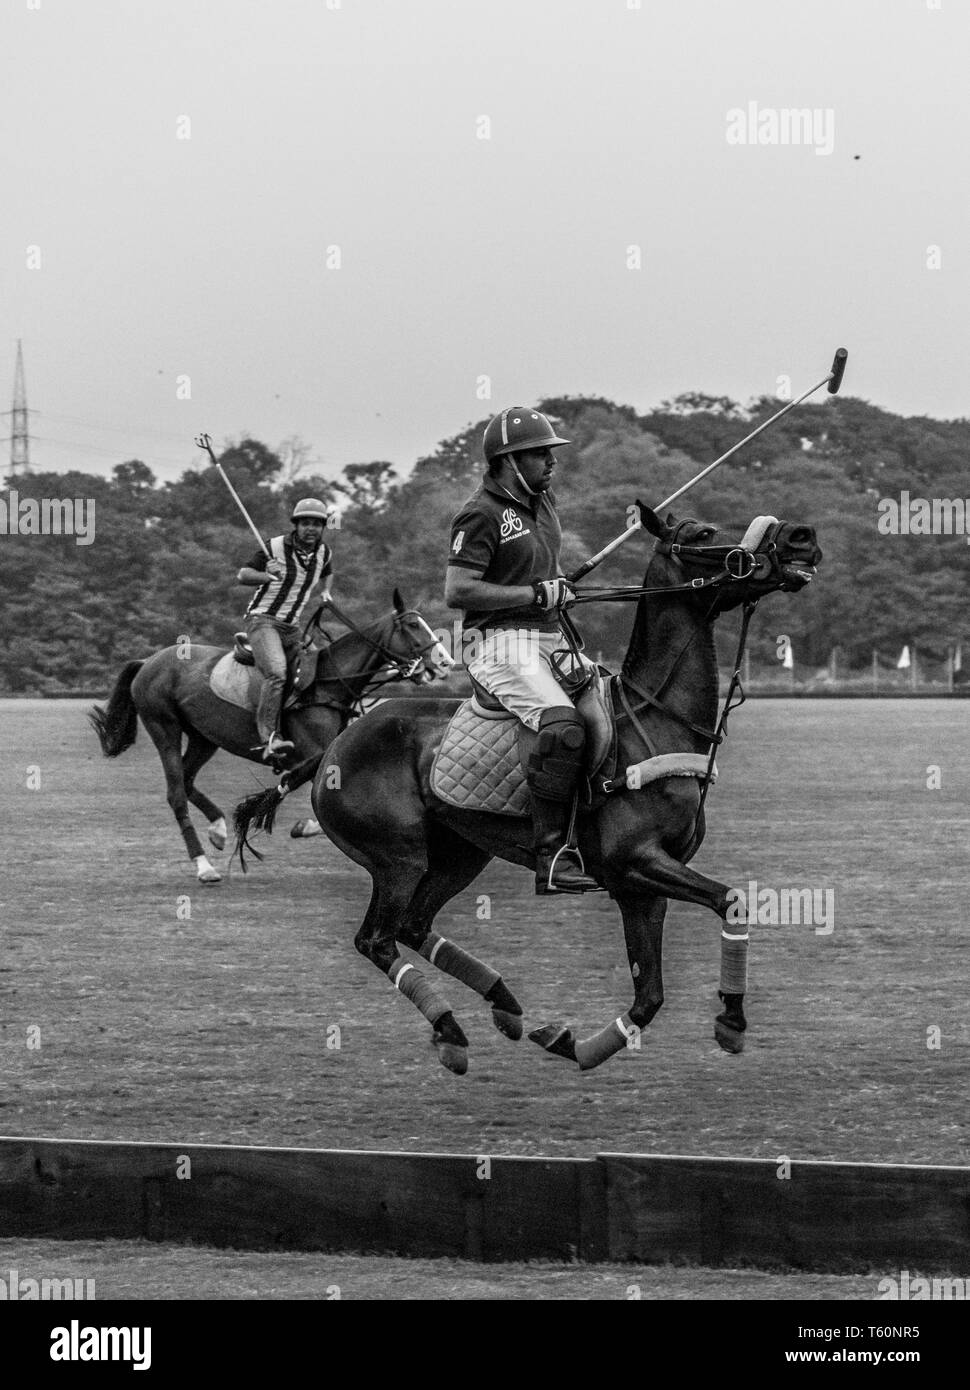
{"points": [[139, 1270], [215, 1028], [122, 1018]]}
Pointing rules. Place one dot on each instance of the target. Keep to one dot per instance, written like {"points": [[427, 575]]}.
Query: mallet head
{"points": [[838, 370]]}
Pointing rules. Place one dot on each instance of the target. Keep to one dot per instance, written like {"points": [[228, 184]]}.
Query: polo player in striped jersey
{"points": [[299, 571]]}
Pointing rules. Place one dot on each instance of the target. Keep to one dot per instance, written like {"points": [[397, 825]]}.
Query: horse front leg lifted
{"points": [[643, 923], [641, 893], [659, 871]]}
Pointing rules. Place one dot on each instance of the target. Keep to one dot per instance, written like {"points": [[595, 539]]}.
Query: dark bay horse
{"points": [[171, 693], [636, 839]]}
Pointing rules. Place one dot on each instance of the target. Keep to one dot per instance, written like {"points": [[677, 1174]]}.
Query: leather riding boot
{"points": [[552, 772]]}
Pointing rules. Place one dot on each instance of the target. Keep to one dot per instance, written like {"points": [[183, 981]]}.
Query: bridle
{"points": [[732, 564], [403, 667]]}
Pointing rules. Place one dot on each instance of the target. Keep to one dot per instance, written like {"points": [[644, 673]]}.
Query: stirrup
{"points": [[566, 849], [547, 885], [277, 747]]}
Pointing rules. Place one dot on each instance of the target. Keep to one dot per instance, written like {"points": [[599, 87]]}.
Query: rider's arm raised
{"points": [[320, 592]]}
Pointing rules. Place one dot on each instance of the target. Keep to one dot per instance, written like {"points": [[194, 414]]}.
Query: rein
{"points": [[625, 592], [404, 668]]}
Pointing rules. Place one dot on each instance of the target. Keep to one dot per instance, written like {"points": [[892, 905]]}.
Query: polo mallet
{"points": [[203, 441], [832, 379]]}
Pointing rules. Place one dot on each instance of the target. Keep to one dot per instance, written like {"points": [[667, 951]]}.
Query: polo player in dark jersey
{"points": [[504, 572], [298, 571]]}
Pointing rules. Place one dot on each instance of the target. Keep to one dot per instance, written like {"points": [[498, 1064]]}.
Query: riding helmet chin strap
{"points": [[521, 481]]}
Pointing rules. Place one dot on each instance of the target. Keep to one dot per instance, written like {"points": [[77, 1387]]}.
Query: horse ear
{"points": [[398, 601], [649, 519]]}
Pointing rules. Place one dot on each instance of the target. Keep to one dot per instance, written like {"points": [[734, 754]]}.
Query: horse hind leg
{"points": [[197, 753], [167, 736], [451, 869], [393, 888]]}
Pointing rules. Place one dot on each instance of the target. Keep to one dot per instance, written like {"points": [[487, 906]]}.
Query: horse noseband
{"points": [[740, 563]]}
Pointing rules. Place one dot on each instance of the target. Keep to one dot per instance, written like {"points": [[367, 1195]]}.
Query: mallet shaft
{"points": [[204, 442], [832, 379], [741, 442]]}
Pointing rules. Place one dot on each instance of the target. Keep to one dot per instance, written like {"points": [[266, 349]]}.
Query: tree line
{"points": [[164, 556]]}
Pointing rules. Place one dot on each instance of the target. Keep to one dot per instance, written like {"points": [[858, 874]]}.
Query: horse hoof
{"points": [[727, 1036], [210, 876], [452, 1056], [556, 1038], [509, 1024], [218, 834], [305, 830]]}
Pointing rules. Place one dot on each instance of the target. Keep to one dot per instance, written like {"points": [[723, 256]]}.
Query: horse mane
{"points": [[642, 651]]}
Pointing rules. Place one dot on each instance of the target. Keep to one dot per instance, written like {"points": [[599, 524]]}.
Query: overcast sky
{"points": [[357, 125]]}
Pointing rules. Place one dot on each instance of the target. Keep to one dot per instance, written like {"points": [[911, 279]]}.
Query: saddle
{"points": [[478, 766], [236, 679]]}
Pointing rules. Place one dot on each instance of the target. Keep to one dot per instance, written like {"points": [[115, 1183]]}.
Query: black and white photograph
{"points": [[485, 666]]}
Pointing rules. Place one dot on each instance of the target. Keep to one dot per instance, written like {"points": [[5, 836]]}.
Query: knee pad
{"points": [[558, 754], [561, 726]]}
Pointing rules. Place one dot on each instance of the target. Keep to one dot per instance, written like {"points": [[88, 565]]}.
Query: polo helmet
{"points": [[519, 427], [310, 507]]}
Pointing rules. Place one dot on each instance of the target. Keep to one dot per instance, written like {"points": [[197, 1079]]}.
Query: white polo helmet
{"points": [[310, 507]]}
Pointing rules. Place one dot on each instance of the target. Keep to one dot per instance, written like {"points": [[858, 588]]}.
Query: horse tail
{"points": [[256, 812], [117, 726]]}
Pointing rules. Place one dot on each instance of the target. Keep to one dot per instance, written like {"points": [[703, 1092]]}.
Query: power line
{"points": [[109, 453], [113, 429]]}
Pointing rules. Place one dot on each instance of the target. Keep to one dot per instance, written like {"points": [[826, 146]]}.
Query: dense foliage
{"points": [[164, 556]]}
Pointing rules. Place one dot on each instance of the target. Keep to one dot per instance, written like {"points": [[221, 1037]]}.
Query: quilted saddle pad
{"points": [[477, 766]]}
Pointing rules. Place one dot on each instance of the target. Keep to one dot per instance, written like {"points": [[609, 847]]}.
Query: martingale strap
{"points": [[735, 563], [730, 704], [709, 735], [715, 737]]}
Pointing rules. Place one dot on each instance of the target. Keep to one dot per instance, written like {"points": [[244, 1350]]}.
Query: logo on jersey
{"points": [[511, 524], [457, 543]]}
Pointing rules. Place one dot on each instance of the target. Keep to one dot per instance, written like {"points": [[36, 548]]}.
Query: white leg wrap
{"points": [[204, 870], [621, 1033]]}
